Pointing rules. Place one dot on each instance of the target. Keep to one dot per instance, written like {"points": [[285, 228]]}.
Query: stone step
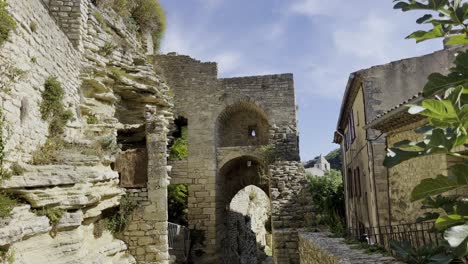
{"points": [[57, 175]]}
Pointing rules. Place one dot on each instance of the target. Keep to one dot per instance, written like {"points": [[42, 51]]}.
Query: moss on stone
{"points": [[16, 169], [6, 205], [33, 26], [91, 120], [7, 23], [92, 87]]}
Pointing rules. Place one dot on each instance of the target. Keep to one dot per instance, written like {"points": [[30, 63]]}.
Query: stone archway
{"points": [[247, 237], [242, 182], [242, 124]]}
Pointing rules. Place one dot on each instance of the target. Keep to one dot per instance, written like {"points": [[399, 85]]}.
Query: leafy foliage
{"points": [[445, 108], [117, 222], [148, 15], [421, 255], [177, 203], [7, 24], [446, 17], [328, 198], [179, 149], [6, 205], [48, 153], [52, 108]]}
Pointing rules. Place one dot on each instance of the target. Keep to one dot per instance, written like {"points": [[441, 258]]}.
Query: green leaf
{"points": [[427, 217], [460, 173], [440, 259], [457, 40], [421, 35], [396, 156], [424, 18], [433, 186], [458, 76], [447, 221]]}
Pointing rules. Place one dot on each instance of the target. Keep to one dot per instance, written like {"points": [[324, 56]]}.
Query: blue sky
{"points": [[320, 42]]}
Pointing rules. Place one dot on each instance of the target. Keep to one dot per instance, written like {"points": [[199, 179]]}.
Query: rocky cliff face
{"points": [[64, 182]]}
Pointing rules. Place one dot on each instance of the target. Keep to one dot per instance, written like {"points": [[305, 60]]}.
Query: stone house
{"points": [[370, 93], [241, 132], [399, 125], [321, 167]]}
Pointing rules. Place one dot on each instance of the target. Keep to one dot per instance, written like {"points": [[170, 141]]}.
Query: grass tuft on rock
{"points": [[6, 205], [48, 153], [7, 23]]}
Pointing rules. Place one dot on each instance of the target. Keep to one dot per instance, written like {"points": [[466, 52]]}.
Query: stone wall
{"points": [[405, 176], [23, 81], [65, 39], [291, 209], [72, 17], [320, 248], [207, 102]]}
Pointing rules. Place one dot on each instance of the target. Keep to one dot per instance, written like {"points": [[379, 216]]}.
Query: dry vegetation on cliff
{"points": [[147, 15]]}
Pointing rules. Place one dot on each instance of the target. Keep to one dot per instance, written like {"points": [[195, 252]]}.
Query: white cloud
{"points": [[314, 7], [372, 40], [228, 62]]}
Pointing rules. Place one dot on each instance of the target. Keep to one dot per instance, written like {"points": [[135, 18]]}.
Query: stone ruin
{"points": [[125, 103]]}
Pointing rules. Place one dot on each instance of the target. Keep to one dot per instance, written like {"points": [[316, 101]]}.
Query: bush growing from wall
{"points": [[179, 149], [328, 197], [148, 15], [52, 108], [7, 24], [177, 199]]}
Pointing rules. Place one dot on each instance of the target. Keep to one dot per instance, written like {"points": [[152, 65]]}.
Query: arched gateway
{"points": [[241, 132]]}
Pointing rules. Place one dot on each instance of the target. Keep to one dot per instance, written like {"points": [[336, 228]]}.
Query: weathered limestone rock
{"points": [[70, 220], [22, 224], [78, 196], [103, 205], [76, 246], [56, 175]]}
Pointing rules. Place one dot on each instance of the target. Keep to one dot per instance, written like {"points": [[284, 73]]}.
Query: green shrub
{"points": [[33, 26], [100, 18], [7, 24], [179, 149], [4, 173], [150, 16], [117, 222], [328, 198], [177, 199], [54, 214], [34, 60], [107, 49], [52, 108], [16, 169], [92, 120], [6, 205], [7, 256]]}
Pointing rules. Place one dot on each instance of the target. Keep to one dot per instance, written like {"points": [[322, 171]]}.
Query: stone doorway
{"points": [[243, 208]]}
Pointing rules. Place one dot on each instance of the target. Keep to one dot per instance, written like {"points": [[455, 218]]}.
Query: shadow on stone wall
{"points": [[240, 245]]}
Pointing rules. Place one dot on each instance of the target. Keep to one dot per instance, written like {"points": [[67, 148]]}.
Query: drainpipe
{"points": [[344, 173]]}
